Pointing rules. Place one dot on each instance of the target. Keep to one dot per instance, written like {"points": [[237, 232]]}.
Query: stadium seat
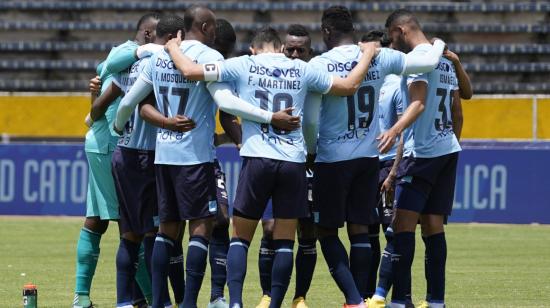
{"points": [[79, 65], [271, 6], [363, 27]]}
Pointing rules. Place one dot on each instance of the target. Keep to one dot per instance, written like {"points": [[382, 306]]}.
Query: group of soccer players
{"points": [[323, 141]]}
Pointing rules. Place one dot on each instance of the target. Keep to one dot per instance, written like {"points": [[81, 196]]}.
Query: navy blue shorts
{"points": [[385, 205], [268, 212], [134, 175], [345, 191], [186, 192], [263, 178], [434, 178]]}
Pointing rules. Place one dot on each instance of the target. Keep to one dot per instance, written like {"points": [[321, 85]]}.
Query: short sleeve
{"points": [[317, 80], [392, 61], [417, 77], [147, 72], [232, 69]]}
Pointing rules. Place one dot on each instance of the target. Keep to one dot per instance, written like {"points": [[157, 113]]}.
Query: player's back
{"points": [[137, 133], [390, 104], [273, 82], [432, 132], [349, 125], [175, 95]]}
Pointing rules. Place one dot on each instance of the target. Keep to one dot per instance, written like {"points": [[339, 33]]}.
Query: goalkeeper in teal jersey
{"points": [[101, 203]]}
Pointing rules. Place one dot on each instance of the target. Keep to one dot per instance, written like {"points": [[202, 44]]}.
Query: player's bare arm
{"points": [[456, 115], [387, 186], [231, 127], [151, 115], [464, 84], [106, 98], [349, 85], [417, 92]]}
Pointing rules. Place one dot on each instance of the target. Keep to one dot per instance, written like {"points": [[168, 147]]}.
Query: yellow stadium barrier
{"points": [[62, 115]]}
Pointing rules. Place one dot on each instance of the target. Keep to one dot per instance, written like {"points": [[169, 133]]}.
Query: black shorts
{"points": [[384, 204], [221, 190], [282, 181], [186, 192], [134, 175], [434, 178], [345, 191]]}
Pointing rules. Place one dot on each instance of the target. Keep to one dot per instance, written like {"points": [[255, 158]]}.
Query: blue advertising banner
{"points": [[496, 182]]}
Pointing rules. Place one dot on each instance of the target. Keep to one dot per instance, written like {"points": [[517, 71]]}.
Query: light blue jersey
{"points": [[100, 138], [432, 132], [349, 125], [391, 106], [176, 95], [137, 133], [273, 82]]}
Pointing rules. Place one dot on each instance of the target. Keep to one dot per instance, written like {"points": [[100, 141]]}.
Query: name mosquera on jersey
{"points": [[170, 77]]}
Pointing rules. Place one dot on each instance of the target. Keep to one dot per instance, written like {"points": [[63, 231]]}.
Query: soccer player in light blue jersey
{"points": [[274, 159], [425, 190], [102, 203], [341, 135], [134, 174]]}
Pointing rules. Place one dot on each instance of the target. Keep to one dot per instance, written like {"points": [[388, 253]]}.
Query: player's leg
{"points": [[197, 195], [361, 212], [438, 207], [133, 188], [101, 206], [265, 255], [219, 244], [253, 191], [306, 259], [289, 203], [330, 188], [176, 271], [169, 230], [412, 191]]}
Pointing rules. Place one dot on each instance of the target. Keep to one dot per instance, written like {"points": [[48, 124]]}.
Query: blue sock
{"points": [[219, 244], [338, 264], [385, 275], [306, 258], [360, 258], [426, 274], [436, 252], [126, 264], [283, 262], [236, 270], [160, 264], [148, 244], [197, 253], [401, 259], [265, 264], [375, 260], [176, 272]]}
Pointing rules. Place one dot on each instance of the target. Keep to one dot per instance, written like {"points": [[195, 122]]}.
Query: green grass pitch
{"points": [[488, 266]]}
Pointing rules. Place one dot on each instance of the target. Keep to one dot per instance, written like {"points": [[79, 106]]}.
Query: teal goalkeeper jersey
{"points": [[348, 125], [137, 133], [432, 134], [176, 95], [273, 82], [101, 138]]}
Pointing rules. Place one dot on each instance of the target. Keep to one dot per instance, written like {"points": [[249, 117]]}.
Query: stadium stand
{"points": [[504, 44]]}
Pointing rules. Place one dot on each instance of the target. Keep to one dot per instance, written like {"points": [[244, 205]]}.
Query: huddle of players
{"points": [[337, 93]]}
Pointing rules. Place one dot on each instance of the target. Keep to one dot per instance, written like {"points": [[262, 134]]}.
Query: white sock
{"points": [[396, 305], [436, 305]]}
